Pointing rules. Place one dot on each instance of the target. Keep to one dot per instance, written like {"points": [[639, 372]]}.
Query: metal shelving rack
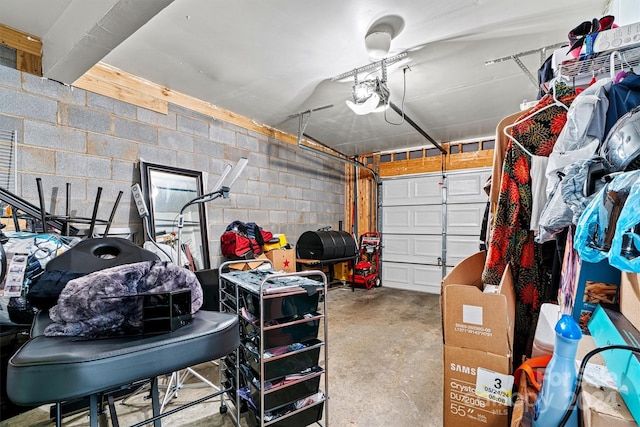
{"points": [[603, 62], [274, 285]]}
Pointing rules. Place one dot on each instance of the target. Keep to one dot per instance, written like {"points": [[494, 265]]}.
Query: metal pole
{"points": [[413, 124]]}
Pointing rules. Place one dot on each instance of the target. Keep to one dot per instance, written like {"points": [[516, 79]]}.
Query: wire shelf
{"points": [[599, 63]]}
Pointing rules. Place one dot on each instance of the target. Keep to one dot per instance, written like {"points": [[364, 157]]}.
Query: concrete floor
{"points": [[384, 368]]}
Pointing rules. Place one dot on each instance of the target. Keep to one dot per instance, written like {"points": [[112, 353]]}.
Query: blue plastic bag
{"points": [[590, 240], [585, 240], [625, 246]]}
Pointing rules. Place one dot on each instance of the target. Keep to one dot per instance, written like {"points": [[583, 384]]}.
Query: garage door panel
{"points": [[427, 248], [428, 276], [396, 192], [395, 247], [412, 277], [467, 187], [427, 219], [412, 219], [465, 219], [460, 247], [428, 190], [413, 227], [425, 190], [396, 219], [422, 249], [396, 272]]}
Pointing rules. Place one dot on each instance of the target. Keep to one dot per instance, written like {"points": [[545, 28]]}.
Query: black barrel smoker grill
{"points": [[324, 248]]}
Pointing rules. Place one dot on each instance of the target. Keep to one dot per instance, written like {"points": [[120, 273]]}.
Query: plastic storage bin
{"points": [[310, 415], [277, 367], [280, 307], [545, 336], [285, 335], [286, 394]]}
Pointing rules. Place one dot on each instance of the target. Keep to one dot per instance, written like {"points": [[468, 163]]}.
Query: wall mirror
{"points": [[167, 189]]}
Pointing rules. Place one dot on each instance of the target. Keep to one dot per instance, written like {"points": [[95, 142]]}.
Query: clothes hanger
{"points": [[556, 102], [612, 64]]}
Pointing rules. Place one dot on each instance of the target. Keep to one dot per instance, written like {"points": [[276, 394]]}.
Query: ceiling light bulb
{"points": [[378, 44], [366, 107], [362, 91]]}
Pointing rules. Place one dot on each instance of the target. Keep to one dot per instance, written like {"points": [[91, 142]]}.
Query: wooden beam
{"points": [[121, 93], [29, 63], [113, 82], [20, 41]]}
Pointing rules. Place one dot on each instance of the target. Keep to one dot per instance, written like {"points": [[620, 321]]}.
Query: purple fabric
{"points": [[86, 306]]}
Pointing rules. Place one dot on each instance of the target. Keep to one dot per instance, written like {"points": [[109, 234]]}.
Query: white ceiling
{"points": [[269, 60]]}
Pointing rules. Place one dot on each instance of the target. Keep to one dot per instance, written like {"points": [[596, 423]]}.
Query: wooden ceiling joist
{"points": [[114, 83], [28, 49]]}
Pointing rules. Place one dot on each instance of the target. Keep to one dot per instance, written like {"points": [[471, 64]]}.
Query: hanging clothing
{"points": [[567, 201], [486, 218], [545, 73], [584, 131], [579, 141], [511, 240], [499, 151], [538, 189], [623, 97]]}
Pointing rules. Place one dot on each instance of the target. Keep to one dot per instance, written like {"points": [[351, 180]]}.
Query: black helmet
{"points": [[621, 148]]}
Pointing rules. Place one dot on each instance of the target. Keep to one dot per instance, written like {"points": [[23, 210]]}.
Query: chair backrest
{"points": [[99, 253]]}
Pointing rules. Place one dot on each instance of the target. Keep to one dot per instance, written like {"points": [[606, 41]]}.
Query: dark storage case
{"points": [[323, 245], [278, 307], [284, 395], [166, 311], [294, 362], [285, 335], [308, 416]]}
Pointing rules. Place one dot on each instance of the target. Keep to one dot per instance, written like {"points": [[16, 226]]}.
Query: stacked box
{"points": [[283, 259], [478, 341]]}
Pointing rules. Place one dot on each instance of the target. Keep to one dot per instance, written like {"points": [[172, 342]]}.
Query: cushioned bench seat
{"points": [[55, 369]]}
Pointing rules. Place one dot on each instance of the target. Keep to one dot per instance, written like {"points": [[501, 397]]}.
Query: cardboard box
{"points": [[478, 333], [283, 259], [630, 297], [602, 406], [462, 407], [610, 327], [584, 285], [473, 319], [248, 264]]}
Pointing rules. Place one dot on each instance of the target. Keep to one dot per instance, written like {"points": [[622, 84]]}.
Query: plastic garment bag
{"points": [[582, 133], [566, 201], [597, 226], [625, 246]]}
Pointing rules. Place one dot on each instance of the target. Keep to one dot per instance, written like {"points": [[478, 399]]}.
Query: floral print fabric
{"points": [[511, 240]]}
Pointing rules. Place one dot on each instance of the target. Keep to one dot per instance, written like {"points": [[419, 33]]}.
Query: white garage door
{"points": [[418, 214]]}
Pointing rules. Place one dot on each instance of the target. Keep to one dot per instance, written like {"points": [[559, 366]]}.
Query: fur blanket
{"points": [[86, 306]]}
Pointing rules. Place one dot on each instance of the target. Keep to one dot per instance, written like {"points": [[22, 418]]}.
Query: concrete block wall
{"points": [[68, 135]]}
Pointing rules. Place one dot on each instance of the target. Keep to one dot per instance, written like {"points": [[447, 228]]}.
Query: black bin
{"points": [[312, 414], [322, 245], [285, 395], [278, 307], [285, 335], [278, 367]]}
